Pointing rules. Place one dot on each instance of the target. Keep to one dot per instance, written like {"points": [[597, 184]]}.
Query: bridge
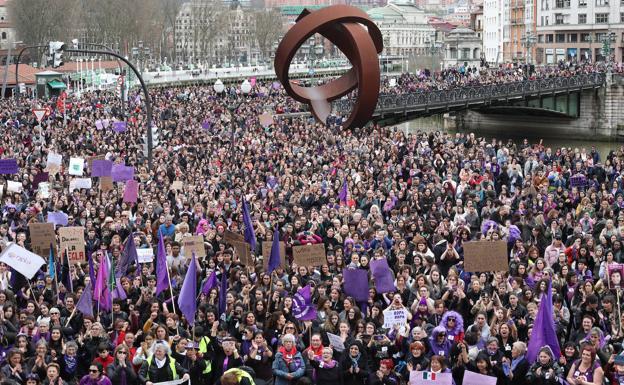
{"points": [[556, 96]]}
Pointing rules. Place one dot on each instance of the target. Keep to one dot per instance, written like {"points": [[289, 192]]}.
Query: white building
{"points": [[404, 28], [493, 30], [7, 31], [462, 46], [576, 29]]}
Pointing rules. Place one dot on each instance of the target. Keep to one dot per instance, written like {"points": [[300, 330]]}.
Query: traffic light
{"points": [[55, 57]]}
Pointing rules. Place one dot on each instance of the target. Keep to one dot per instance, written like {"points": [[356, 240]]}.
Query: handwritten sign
{"points": [[41, 237], [394, 317], [266, 253], [22, 260], [193, 244], [131, 191], [106, 183], [53, 163], [243, 252], [76, 166], [145, 255], [472, 378], [336, 342], [484, 256], [229, 237], [72, 240], [309, 255], [177, 185]]}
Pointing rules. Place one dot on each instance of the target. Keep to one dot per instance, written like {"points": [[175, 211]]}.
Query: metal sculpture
{"points": [[355, 34]]}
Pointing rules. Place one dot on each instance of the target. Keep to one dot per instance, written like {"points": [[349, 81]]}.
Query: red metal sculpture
{"points": [[355, 34]]}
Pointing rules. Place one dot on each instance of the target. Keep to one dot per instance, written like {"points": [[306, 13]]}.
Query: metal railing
{"points": [[474, 96]]}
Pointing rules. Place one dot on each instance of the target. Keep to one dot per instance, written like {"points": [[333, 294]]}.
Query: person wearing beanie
{"points": [[355, 364]]}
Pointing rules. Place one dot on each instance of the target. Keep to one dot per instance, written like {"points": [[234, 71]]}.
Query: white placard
{"points": [[22, 260], [82, 182], [336, 342], [44, 189], [54, 161], [13, 186], [145, 255], [394, 317], [174, 382], [76, 166]]}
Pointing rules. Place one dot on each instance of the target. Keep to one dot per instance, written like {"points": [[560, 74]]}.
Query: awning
{"points": [[57, 85]]}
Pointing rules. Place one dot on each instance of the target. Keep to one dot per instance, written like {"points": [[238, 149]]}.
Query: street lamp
{"points": [[246, 87], [529, 41], [218, 87]]}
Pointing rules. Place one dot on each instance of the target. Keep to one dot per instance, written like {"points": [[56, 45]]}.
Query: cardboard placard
{"points": [[193, 244], [177, 185], [229, 237], [92, 158], [41, 237], [106, 183], [53, 163], [266, 253], [485, 256], [76, 166], [72, 240], [309, 255], [243, 251]]}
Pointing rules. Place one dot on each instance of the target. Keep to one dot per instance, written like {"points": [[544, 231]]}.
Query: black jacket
{"points": [[154, 374], [115, 372]]}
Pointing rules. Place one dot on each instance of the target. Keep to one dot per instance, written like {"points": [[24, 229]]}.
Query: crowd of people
{"points": [[413, 198]]}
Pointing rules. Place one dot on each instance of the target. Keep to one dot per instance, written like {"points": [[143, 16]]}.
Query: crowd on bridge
{"points": [[226, 164]]}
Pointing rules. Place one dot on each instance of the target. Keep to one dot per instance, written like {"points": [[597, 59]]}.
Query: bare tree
{"points": [[267, 29], [37, 22], [209, 20]]}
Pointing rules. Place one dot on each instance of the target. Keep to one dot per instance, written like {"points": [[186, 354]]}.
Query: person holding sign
{"points": [[161, 367]]}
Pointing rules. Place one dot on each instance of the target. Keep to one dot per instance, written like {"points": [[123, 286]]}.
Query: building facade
{"points": [[462, 47], [7, 30], [404, 28], [493, 31], [576, 30]]}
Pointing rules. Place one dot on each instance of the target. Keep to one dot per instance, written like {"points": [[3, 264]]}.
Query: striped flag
{"points": [[426, 378]]}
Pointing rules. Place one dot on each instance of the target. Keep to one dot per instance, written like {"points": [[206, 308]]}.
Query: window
{"points": [[602, 3], [540, 38], [572, 38], [560, 38], [621, 17], [582, 18], [4, 35], [561, 18], [585, 37], [582, 3], [602, 18], [549, 38]]}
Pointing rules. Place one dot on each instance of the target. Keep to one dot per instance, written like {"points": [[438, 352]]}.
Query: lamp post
{"points": [[218, 86], [529, 41], [434, 49], [246, 87]]}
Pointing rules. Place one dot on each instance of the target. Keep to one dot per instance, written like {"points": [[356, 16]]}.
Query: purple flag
{"points": [[544, 333], [98, 124], [105, 123], [59, 218], [122, 173], [118, 291], [120, 126], [276, 85], [274, 258], [101, 168], [205, 125], [85, 303], [211, 282], [162, 273], [222, 292], [39, 178], [384, 279], [131, 191], [343, 191], [100, 291], [302, 307], [356, 284], [250, 235], [128, 257], [186, 300], [8, 166]]}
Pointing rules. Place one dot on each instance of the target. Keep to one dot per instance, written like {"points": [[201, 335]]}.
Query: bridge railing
{"points": [[467, 96]]}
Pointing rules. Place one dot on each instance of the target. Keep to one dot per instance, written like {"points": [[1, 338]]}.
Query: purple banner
{"points": [[384, 279], [98, 124], [122, 173], [58, 218], [8, 166], [356, 284], [101, 168], [120, 126], [131, 191]]}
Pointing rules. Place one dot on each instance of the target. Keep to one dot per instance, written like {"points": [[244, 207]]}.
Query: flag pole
{"points": [[270, 294], [58, 297], [32, 292], [617, 291]]}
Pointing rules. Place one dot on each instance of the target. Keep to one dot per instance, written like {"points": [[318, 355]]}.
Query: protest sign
{"points": [[177, 185], [145, 255], [101, 168], [472, 378], [336, 342], [53, 163], [309, 255], [13, 186], [394, 317], [131, 191], [193, 244], [615, 272], [44, 189], [243, 251], [484, 256], [356, 283], [72, 240], [41, 237], [39, 178], [22, 260], [106, 183], [266, 119], [229, 237], [98, 124], [266, 253], [122, 173], [80, 183], [8, 166], [382, 275], [174, 382], [92, 159], [76, 166], [120, 126], [57, 218], [430, 378]]}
